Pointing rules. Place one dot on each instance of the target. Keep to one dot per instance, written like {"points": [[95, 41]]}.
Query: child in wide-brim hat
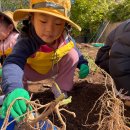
{"points": [[8, 34], [57, 8], [44, 49]]}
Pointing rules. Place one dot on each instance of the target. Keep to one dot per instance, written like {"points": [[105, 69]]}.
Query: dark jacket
{"points": [[114, 57]]}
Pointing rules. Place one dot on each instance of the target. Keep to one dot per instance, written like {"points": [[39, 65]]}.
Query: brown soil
{"points": [[84, 95]]}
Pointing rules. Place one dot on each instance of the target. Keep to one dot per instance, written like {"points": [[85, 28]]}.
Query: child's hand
{"points": [[0, 72], [19, 107], [84, 71]]}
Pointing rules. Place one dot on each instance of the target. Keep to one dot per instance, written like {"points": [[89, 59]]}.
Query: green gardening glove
{"points": [[19, 107], [0, 72], [84, 71]]}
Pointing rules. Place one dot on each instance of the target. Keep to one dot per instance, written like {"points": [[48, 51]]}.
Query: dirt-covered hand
{"points": [[19, 107], [84, 71]]}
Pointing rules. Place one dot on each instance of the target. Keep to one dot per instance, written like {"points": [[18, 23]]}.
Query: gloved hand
{"points": [[19, 106], [0, 72], [84, 71]]}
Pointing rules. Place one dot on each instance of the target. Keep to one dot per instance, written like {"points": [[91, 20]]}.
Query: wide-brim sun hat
{"points": [[57, 8], [9, 15]]}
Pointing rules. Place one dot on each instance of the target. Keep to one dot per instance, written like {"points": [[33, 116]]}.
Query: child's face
{"points": [[4, 31], [48, 27]]}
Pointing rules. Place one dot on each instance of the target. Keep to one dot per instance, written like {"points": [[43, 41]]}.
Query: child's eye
{"points": [[43, 21], [58, 24]]}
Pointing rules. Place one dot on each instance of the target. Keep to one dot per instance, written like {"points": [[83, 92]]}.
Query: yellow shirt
{"points": [[42, 62]]}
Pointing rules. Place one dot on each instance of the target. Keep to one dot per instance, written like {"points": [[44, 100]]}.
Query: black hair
{"points": [[6, 21], [68, 27], [25, 26]]}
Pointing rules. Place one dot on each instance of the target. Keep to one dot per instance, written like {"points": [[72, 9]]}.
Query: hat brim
{"points": [[15, 26], [21, 14]]}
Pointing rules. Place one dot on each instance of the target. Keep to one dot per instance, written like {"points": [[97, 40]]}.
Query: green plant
{"points": [[120, 12], [90, 14], [13, 4]]}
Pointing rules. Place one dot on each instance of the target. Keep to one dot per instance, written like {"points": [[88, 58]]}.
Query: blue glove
{"points": [[19, 107], [84, 71]]}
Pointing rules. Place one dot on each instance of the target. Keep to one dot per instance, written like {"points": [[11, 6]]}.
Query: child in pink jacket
{"points": [[8, 37], [8, 34]]}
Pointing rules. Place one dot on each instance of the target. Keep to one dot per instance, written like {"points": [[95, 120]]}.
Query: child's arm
{"points": [[102, 57], [119, 63], [81, 57], [12, 77], [14, 65], [82, 64]]}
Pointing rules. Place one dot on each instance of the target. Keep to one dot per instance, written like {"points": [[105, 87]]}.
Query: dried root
{"points": [[33, 119], [111, 115]]}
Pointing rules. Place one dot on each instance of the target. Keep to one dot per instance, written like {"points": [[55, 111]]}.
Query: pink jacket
{"points": [[9, 42]]}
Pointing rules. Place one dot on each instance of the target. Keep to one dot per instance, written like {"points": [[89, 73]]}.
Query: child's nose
{"points": [[50, 27]]}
